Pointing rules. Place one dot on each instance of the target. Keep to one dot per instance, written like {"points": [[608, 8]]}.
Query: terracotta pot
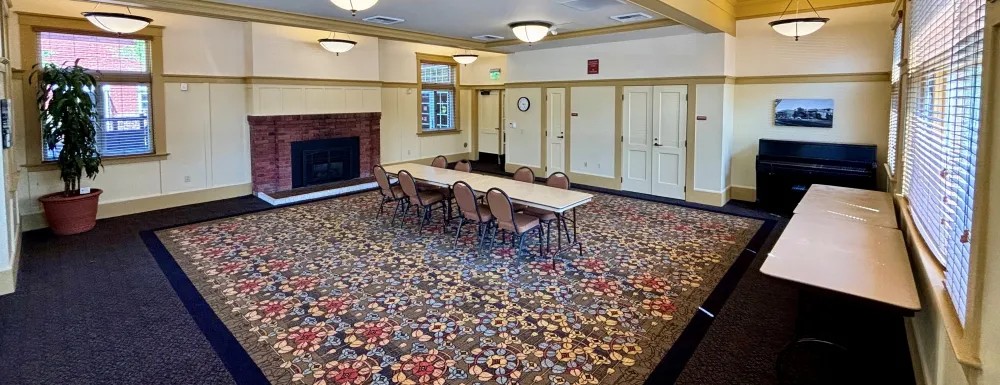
{"points": [[71, 215]]}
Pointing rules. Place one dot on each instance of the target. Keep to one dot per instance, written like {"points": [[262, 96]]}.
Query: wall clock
{"points": [[523, 104]]}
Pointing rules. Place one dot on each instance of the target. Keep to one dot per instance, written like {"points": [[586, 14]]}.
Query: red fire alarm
{"points": [[593, 66]]}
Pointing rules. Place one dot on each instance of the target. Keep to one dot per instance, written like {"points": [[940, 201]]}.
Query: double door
{"points": [[654, 140]]}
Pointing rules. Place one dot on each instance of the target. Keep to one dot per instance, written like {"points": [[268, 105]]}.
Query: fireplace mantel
{"points": [[271, 140]]}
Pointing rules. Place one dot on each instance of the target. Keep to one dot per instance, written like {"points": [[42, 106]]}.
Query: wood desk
{"points": [[861, 206], [528, 194], [861, 260]]}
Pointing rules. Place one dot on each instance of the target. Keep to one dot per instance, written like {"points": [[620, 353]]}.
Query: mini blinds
{"points": [[942, 130], [894, 102], [122, 97], [437, 96]]}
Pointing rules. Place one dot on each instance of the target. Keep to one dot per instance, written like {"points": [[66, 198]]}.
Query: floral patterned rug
{"points": [[323, 293]]}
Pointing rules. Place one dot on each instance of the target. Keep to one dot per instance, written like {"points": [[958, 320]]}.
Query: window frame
{"points": [[30, 25], [896, 170], [422, 59]]}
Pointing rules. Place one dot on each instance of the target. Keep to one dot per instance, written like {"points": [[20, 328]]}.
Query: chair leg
{"points": [[520, 243], [402, 215], [445, 217], [421, 214], [493, 237], [381, 205], [541, 241], [458, 233]]}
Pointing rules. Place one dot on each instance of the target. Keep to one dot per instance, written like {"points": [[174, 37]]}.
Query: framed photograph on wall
{"points": [[803, 113]]}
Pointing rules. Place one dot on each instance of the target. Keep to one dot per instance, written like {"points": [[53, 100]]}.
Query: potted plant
{"points": [[68, 115]]}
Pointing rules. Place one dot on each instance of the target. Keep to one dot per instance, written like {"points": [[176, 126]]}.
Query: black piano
{"points": [[786, 169]]}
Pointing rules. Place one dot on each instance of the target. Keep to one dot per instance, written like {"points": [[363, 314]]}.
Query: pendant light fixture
{"points": [[337, 46], [798, 26], [530, 31], [354, 5], [117, 22], [465, 58]]}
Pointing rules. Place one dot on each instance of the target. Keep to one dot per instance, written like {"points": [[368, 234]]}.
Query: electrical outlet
{"points": [[184, 86], [598, 165], [584, 164], [187, 179]]}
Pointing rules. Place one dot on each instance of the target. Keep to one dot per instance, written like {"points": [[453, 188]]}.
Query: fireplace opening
{"points": [[325, 160]]}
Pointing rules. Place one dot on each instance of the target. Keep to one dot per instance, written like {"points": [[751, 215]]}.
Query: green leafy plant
{"points": [[68, 115]]}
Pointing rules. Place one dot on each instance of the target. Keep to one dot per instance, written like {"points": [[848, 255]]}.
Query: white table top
{"points": [[863, 206], [852, 258], [529, 194]]}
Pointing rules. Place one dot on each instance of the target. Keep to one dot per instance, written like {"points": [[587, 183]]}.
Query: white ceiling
{"points": [[467, 18]]}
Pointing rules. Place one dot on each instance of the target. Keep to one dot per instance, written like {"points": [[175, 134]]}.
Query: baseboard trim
{"points": [[317, 195], [158, 202], [708, 197], [8, 278], [743, 193]]}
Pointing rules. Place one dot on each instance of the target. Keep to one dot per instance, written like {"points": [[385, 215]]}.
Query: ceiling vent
{"points": [[630, 17], [383, 20], [488, 37], [587, 5]]}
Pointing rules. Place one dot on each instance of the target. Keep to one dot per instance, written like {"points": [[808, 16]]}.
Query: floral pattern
{"points": [[322, 293]]}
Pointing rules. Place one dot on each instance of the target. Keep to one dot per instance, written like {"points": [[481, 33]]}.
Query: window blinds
{"points": [[942, 130], [122, 96], [894, 102]]}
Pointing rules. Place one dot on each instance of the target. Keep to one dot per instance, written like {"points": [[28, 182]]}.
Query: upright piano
{"points": [[786, 169]]}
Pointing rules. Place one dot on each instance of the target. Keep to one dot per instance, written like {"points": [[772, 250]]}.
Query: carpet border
{"points": [[245, 370]]}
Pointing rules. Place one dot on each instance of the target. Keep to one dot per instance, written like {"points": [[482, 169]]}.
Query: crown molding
{"points": [[592, 32], [214, 9], [752, 9]]}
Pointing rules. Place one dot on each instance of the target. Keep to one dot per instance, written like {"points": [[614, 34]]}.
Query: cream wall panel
{"points": [[861, 115], [120, 182], [371, 100], [524, 140], [355, 103], [685, 54], [230, 136], [293, 101], [188, 138], [191, 45], [855, 40], [390, 149], [268, 101], [478, 73], [338, 100], [728, 117], [708, 149], [407, 122], [294, 52], [317, 101], [592, 132]]}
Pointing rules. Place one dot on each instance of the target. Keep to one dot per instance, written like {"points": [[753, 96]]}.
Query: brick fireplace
{"points": [[271, 139]]}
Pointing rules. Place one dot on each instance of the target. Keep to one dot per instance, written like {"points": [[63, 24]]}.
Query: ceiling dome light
{"points": [[337, 46], [354, 5], [117, 22], [798, 26], [465, 58], [530, 31]]}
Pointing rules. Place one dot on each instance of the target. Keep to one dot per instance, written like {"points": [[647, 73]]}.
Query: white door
{"points": [[669, 140], [555, 130], [637, 135], [489, 122]]}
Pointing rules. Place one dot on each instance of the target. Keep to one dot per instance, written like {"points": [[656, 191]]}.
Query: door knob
{"points": [[657, 145]]}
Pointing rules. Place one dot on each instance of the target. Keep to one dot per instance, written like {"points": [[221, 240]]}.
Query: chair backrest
{"points": [[383, 182], [466, 199], [524, 174], [440, 162], [409, 186], [464, 166], [502, 208], [558, 180]]}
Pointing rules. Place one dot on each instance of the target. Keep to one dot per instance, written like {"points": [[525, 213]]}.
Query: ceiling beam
{"points": [[213, 9], [751, 9], [592, 32], [708, 16]]}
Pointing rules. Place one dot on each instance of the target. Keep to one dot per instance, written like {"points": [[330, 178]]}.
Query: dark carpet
{"points": [[96, 308]]}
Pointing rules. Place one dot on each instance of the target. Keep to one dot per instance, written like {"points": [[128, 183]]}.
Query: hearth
{"points": [[323, 161]]}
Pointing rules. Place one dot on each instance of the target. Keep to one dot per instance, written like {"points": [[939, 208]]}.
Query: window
{"points": [[894, 95], [438, 103], [945, 55], [123, 95]]}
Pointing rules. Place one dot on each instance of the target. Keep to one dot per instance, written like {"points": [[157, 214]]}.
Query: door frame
{"points": [[692, 113], [474, 130]]}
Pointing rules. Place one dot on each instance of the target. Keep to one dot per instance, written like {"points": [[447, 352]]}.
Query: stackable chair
{"points": [[423, 200]]}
